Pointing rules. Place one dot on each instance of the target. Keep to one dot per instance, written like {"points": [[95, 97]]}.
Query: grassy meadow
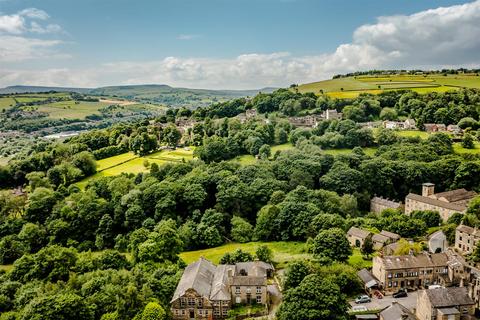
{"points": [[283, 252], [351, 87]]}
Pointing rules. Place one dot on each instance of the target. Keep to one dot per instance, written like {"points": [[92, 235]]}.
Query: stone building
{"points": [[206, 291], [396, 311], [446, 203], [332, 114], [357, 236], [419, 271], [378, 204], [383, 238], [310, 121], [445, 304], [466, 238]]}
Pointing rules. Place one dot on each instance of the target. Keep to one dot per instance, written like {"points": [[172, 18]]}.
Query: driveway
{"points": [[409, 302]]}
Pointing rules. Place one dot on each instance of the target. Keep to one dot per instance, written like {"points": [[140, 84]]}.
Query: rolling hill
{"points": [[350, 87]]}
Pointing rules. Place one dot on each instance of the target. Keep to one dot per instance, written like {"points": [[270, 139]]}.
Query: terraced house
{"points": [[206, 291], [420, 271]]}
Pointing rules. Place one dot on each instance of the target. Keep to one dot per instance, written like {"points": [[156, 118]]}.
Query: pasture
{"points": [[6, 103], [351, 87], [71, 109], [283, 252], [130, 163]]}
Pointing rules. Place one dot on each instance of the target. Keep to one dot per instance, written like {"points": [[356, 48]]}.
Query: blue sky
{"points": [[226, 43]]}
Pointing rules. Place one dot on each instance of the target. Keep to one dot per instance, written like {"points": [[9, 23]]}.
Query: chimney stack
{"points": [[428, 189]]}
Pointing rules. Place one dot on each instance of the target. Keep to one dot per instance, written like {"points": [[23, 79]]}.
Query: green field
{"points": [[457, 148], [6, 103], [71, 109], [283, 252], [248, 159], [351, 87], [131, 163]]}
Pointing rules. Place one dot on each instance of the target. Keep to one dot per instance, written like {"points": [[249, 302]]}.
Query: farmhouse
{"points": [[445, 303], [357, 236], [206, 291], [434, 127], [378, 204], [310, 121], [422, 270], [446, 203]]}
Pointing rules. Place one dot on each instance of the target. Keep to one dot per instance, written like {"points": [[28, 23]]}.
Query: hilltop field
{"points": [[351, 87]]}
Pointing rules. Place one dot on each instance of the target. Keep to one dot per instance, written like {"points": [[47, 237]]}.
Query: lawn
{"points": [[356, 260], [413, 133], [115, 160], [283, 252], [248, 159]]}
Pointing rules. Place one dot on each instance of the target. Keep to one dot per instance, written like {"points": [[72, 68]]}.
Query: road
{"points": [[409, 302]]}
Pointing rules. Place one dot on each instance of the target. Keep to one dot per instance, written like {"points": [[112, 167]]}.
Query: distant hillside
{"points": [[36, 89], [352, 86], [177, 97], [154, 93]]}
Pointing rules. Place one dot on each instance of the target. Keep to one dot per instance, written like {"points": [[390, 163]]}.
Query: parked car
{"points": [[359, 308], [400, 294], [362, 299]]}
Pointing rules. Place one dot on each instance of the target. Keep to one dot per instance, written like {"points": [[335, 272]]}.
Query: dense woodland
{"points": [[110, 251]]}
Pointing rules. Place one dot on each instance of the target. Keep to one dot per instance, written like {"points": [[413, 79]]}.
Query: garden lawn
{"points": [[283, 252], [356, 260]]}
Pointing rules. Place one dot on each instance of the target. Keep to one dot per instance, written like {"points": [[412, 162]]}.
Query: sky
{"points": [[228, 44]]}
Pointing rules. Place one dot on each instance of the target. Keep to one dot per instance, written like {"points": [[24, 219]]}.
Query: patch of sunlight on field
{"points": [[71, 110], [115, 160], [370, 151], [457, 148]]}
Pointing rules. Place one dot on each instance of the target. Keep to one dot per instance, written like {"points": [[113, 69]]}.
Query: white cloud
{"points": [[187, 36], [442, 37], [15, 48], [34, 13]]}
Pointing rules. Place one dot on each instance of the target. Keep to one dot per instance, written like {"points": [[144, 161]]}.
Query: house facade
{"points": [[446, 203], [419, 271], [466, 238], [445, 304], [357, 236], [207, 291]]}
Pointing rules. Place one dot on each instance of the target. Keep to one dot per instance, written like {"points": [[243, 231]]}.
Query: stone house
{"points": [[455, 129], [445, 304], [419, 271], [466, 238], [434, 127], [378, 204], [357, 236], [383, 238], [206, 291], [446, 203], [332, 114], [410, 124]]}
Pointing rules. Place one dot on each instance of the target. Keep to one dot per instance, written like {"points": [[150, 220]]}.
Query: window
{"points": [[200, 303], [259, 299], [249, 290], [259, 289], [182, 302], [191, 302], [216, 311], [237, 290], [389, 276], [200, 312], [183, 312], [224, 311], [395, 284], [390, 283]]}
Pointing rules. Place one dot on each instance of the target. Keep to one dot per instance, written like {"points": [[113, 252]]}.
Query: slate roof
{"points": [[197, 276], [468, 230], [397, 312], [449, 297], [435, 202], [391, 235], [419, 261], [357, 232], [254, 268], [368, 279], [380, 238], [219, 290], [455, 195]]}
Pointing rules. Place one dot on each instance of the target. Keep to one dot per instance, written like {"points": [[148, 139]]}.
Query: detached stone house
{"points": [[446, 203], [357, 236], [445, 304], [206, 291]]}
